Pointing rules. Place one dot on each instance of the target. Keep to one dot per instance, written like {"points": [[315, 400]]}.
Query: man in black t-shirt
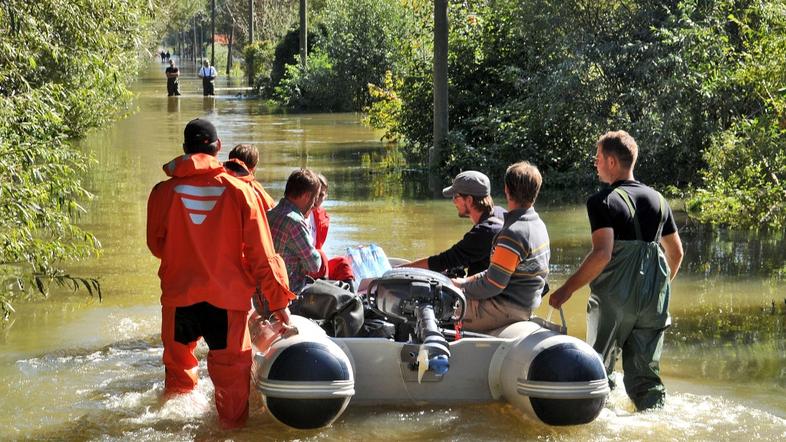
{"points": [[172, 85], [471, 193], [636, 252]]}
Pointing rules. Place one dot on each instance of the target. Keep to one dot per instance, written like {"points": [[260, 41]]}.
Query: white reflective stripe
{"points": [[205, 205], [307, 389], [197, 218], [200, 190], [563, 390]]}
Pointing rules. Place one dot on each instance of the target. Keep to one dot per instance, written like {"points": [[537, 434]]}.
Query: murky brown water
{"points": [[78, 369]]}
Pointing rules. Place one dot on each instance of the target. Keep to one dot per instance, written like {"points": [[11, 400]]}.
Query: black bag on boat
{"points": [[377, 328], [341, 310]]}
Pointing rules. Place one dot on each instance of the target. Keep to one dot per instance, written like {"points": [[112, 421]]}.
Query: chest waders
{"points": [[628, 311], [208, 82], [172, 86]]}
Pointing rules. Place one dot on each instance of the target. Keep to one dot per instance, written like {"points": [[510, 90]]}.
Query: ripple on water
{"points": [[194, 407], [686, 416], [114, 393]]}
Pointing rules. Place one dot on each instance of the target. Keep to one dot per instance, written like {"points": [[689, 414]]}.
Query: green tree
{"points": [[743, 183], [63, 70], [362, 40], [541, 80]]}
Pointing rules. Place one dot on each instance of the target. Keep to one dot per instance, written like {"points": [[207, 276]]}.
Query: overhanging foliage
{"points": [[63, 69]]}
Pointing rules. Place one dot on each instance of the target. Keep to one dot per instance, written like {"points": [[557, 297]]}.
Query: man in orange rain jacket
{"points": [[242, 163], [215, 248]]}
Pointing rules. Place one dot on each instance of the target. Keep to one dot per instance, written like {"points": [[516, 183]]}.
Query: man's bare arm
{"points": [[672, 247], [593, 265]]}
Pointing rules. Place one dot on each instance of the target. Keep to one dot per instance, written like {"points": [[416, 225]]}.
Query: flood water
{"points": [[74, 368]]}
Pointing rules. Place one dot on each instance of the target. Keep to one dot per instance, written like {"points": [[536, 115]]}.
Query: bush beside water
{"points": [[699, 84], [63, 70]]}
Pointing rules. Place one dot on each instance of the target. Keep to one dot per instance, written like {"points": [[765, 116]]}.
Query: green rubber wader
{"points": [[628, 311]]}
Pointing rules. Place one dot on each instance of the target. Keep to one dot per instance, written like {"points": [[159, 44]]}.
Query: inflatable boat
{"points": [[307, 380]]}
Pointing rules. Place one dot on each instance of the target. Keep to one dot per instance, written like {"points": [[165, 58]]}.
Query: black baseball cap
{"points": [[199, 132]]}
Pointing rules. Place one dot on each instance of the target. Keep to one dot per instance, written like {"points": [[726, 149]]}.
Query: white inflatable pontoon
{"points": [[307, 380]]}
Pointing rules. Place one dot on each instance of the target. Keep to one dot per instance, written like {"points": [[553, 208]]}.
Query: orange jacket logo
{"points": [[208, 197]]}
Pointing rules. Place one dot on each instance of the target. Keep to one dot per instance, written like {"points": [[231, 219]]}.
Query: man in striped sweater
{"points": [[511, 288]]}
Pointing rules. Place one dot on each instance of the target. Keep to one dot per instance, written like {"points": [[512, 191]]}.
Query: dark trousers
{"points": [[207, 87], [172, 87]]}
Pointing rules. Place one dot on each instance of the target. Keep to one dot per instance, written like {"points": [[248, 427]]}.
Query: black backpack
{"points": [[340, 310]]}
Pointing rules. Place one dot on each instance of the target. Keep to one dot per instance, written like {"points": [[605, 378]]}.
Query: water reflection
{"points": [[744, 345], [714, 252], [209, 105], [173, 104]]}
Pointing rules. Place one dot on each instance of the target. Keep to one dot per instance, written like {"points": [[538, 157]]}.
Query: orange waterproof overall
{"points": [[215, 248]]}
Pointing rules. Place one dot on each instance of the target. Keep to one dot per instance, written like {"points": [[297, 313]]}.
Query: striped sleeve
{"points": [[506, 257]]}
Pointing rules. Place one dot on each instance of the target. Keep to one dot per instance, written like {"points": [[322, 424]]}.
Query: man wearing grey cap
{"points": [[471, 193], [512, 286]]}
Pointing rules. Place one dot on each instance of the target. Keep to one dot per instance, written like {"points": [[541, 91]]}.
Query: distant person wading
{"points": [[208, 75], [172, 84]]}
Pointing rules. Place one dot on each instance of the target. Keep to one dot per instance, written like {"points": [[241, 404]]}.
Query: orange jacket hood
{"points": [[238, 169], [192, 164]]}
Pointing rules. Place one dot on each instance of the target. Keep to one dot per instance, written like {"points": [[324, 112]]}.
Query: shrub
{"points": [[258, 55], [312, 89], [63, 70]]}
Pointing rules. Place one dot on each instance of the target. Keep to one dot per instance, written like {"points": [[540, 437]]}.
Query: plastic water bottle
{"points": [[370, 262], [356, 262], [380, 258]]}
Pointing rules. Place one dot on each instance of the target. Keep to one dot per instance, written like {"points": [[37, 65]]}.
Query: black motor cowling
{"points": [[400, 291]]}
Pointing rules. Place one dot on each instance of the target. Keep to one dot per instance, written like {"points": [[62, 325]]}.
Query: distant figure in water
{"points": [[636, 253], [208, 75], [172, 83]]}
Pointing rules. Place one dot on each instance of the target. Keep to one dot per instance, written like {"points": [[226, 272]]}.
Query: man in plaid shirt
{"points": [[290, 230]]}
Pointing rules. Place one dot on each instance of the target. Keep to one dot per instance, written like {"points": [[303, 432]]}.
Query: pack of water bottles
{"points": [[367, 262]]}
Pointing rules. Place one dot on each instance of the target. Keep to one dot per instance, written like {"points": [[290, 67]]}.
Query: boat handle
{"points": [[561, 316]]}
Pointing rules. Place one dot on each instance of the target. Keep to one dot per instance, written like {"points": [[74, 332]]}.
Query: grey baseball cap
{"points": [[470, 182]]}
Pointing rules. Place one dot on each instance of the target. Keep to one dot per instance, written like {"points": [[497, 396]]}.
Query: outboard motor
{"points": [[423, 301], [434, 353], [306, 380]]}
